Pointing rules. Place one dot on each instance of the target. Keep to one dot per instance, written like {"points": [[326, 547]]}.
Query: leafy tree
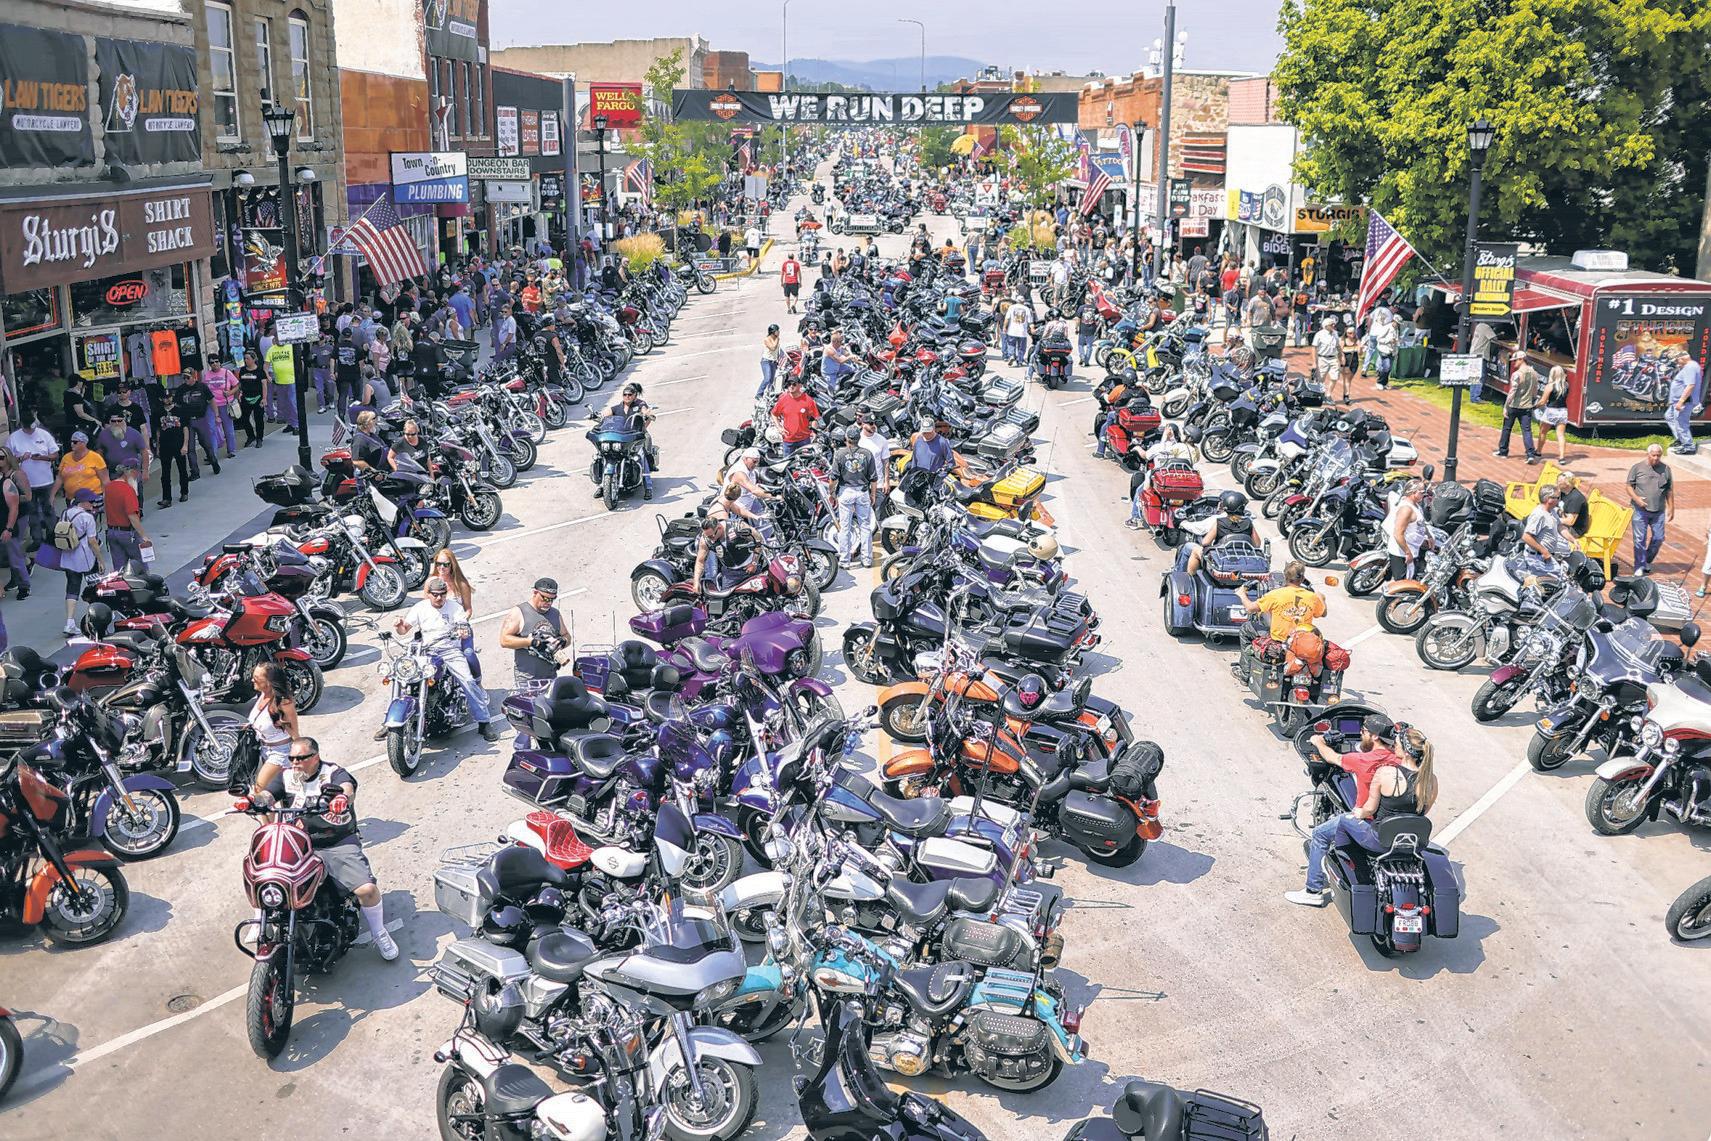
{"points": [[1601, 106], [688, 158], [935, 145], [1038, 160]]}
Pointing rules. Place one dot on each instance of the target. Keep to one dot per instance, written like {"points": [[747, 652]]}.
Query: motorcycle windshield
{"points": [[1636, 644], [682, 934], [616, 428]]}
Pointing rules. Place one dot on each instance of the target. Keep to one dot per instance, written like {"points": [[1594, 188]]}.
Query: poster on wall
{"points": [[1626, 372], [44, 99], [264, 269], [549, 134], [98, 356], [451, 28], [148, 96], [529, 132], [505, 129]]}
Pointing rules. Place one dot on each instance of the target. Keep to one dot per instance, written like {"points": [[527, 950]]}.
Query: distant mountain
{"points": [[900, 74]]}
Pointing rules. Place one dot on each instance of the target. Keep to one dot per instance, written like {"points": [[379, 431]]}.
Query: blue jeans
{"points": [[1084, 345], [1680, 421], [767, 370], [1099, 433], [1512, 417], [473, 691], [1338, 830], [1648, 537], [788, 448], [855, 526]]}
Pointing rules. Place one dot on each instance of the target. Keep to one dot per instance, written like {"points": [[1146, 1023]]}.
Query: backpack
{"points": [[65, 534]]}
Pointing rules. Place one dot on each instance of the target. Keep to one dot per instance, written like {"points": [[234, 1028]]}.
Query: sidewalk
{"points": [[220, 507]]}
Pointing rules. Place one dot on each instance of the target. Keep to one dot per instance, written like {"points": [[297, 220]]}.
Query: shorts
{"points": [[1550, 416], [347, 864], [792, 288]]}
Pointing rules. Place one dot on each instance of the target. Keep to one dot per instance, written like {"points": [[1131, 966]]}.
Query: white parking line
{"points": [[1073, 403], [1478, 807], [1361, 637], [702, 353]]}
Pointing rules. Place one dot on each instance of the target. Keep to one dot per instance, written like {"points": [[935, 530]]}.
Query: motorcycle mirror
{"points": [[1428, 472]]}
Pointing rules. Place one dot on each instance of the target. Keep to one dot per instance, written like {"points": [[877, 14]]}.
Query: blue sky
{"points": [[1110, 35]]}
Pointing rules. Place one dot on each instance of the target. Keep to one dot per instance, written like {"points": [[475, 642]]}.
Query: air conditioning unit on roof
{"points": [[1602, 261]]}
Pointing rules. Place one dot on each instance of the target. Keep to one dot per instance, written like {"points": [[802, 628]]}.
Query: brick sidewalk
{"points": [[1427, 426]]}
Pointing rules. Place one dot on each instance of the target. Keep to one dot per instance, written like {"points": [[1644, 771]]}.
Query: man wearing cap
{"points": [[517, 633], [795, 413], [117, 441], [1376, 735], [858, 497], [442, 622], [932, 452], [81, 558], [124, 513]]}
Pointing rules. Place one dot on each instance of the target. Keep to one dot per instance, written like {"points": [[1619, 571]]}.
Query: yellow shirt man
{"points": [[1291, 608]]}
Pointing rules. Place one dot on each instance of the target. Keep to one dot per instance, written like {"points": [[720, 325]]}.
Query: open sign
{"points": [[126, 292]]}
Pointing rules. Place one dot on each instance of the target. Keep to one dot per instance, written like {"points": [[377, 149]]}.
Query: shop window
{"points": [[264, 59], [149, 295], [299, 24], [32, 311], [223, 73], [480, 94]]}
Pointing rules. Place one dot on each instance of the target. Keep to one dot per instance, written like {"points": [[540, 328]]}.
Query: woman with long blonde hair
{"points": [[446, 566]]}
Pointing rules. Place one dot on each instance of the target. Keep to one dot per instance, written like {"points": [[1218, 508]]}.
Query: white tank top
{"points": [[261, 720]]}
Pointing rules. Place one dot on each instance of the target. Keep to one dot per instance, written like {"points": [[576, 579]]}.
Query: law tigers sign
{"points": [[866, 110]]}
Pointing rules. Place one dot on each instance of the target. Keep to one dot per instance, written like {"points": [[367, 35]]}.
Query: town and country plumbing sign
{"points": [[429, 177], [924, 109]]}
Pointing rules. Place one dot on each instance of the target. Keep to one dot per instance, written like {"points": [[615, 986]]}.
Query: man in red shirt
{"points": [[795, 414], [125, 535], [790, 273], [1376, 734]]}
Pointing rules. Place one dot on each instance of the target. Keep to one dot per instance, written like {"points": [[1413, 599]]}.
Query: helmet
{"points": [[1192, 433], [1030, 690], [1043, 547], [505, 926], [498, 1010], [1232, 503], [97, 620], [548, 907]]}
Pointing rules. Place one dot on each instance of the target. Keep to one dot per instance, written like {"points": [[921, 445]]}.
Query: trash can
{"points": [[1269, 341], [1410, 362]]}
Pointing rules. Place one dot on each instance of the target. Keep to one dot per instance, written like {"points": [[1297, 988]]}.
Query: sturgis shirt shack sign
{"points": [[79, 239]]}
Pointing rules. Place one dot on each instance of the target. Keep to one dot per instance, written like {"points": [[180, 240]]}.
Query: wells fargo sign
{"points": [[621, 103], [59, 242]]}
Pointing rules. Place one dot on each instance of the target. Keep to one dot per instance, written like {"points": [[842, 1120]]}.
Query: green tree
{"points": [[688, 158], [1601, 107], [935, 144], [1037, 160]]}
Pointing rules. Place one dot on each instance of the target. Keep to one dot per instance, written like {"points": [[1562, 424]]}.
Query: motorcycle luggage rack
{"points": [[478, 853], [1217, 1117]]}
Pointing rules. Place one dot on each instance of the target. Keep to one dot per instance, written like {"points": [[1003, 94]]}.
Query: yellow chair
{"points": [[1521, 497], [1607, 522]]}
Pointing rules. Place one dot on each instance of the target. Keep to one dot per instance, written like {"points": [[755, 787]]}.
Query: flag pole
{"points": [[321, 258]]}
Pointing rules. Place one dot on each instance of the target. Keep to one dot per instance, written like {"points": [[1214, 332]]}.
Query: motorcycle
{"points": [[779, 584], [1056, 362], [376, 578], [617, 467], [426, 701], [307, 921], [1151, 1111], [280, 568], [73, 892], [1295, 679], [1670, 771], [11, 1051], [1405, 890], [1688, 919], [1451, 565]]}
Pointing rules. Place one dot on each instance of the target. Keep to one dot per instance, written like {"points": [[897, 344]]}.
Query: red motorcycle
{"points": [[281, 569], [1128, 433], [307, 921], [1166, 487], [77, 895]]}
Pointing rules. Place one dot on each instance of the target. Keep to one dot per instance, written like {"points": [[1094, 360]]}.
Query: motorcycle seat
{"points": [[518, 871], [561, 955], [920, 903], [705, 656], [568, 705], [937, 990], [1148, 1109], [191, 610], [513, 1089], [972, 894], [657, 706], [597, 754], [924, 816], [1094, 776], [137, 641]]}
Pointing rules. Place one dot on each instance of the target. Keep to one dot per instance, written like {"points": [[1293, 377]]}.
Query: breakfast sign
{"points": [[865, 110]]}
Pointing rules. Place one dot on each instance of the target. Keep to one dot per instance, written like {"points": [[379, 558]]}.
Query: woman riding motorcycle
{"points": [[1232, 524]]}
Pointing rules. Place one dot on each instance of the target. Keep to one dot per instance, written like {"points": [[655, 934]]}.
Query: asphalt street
{"points": [[1562, 1011]]}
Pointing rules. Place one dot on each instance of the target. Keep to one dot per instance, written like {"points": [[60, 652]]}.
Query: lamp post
{"points": [[1163, 147], [784, 85], [1135, 200], [1479, 137], [923, 28], [600, 145], [279, 119]]}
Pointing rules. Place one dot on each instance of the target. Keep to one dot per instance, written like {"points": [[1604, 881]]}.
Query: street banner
{"points": [[44, 99], [1626, 372], [909, 109], [450, 27], [429, 177], [621, 103], [1493, 280], [505, 129], [148, 95]]}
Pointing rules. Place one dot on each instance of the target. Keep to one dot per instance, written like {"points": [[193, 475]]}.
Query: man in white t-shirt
{"points": [[37, 452], [443, 622], [1017, 318]]}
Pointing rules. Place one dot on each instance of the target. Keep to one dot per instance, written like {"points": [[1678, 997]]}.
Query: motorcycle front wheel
{"points": [[500, 472], [1260, 484], [145, 829], [1547, 754], [435, 533], [326, 641], [90, 916], [609, 488], [706, 282], [384, 588], [211, 756], [1403, 612], [904, 717], [643, 343], [268, 1009], [531, 426], [724, 1110], [714, 863], [1688, 919], [806, 603], [861, 659], [404, 749], [1311, 547], [1493, 700], [1363, 581], [574, 393], [1445, 648], [822, 567], [522, 452], [481, 511], [1615, 808], [554, 414]]}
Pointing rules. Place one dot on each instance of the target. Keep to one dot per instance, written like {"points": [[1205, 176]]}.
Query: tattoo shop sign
{"points": [[990, 109]]}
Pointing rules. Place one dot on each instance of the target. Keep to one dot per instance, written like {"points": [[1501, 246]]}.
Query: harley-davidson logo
{"points": [[1026, 108], [726, 106]]}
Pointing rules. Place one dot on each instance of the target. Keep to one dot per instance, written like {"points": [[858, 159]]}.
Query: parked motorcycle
{"points": [[73, 892], [1670, 770], [1688, 919]]}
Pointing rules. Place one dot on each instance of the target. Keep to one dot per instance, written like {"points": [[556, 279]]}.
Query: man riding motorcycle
{"points": [[333, 833], [638, 414], [443, 623], [723, 548], [1291, 609]]}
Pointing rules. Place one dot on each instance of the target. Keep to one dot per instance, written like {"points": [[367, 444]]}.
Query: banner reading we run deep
{"points": [[864, 110]]}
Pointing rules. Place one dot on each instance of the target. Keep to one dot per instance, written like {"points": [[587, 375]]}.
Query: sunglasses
{"points": [[545, 595], [442, 562], [304, 756], [436, 594]]}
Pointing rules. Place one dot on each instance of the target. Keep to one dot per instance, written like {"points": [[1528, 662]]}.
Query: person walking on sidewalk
{"points": [[1518, 409], [252, 390], [1327, 358], [36, 452], [223, 383], [1686, 396], [15, 513], [195, 403], [1651, 491], [1552, 411], [790, 274], [172, 445], [282, 371], [125, 535]]}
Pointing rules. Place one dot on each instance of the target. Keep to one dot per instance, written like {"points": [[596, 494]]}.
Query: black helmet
{"points": [[506, 926], [548, 906], [498, 1010], [1232, 503], [97, 620], [1192, 433], [1030, 690]]}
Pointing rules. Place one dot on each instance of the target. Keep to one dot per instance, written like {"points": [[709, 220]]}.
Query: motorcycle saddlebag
{"points": [[987, 944], [1007, 1035], [1088, 818], [1133, 773], [21, 728], [459, 893], [1451, 505], [1445, 895], [1488, 497], [670, 623], [290, 488], [539, 779]]}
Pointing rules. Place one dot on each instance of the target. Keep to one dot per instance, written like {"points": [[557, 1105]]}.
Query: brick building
{"points": [[727, 69]]}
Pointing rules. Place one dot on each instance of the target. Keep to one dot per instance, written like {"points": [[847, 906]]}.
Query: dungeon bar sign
{"points": [[898, 109]]}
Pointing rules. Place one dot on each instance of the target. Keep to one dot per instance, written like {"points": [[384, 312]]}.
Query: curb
{"points": [[764, 250]]}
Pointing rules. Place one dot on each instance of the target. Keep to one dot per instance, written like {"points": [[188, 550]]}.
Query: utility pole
{"points": [[1163, 148], [784, 85]]}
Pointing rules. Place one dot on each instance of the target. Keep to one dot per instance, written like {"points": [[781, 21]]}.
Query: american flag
{"points": [[745, 156], [1386, 253], [980, 148], [386, 242], [639, 176], [341, 430], [1097, 183]]}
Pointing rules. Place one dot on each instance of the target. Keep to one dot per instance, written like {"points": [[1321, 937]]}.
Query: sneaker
{"points": [[216, 469], [1500, 455], [489, 731], [647, 493], [70, 628], [23, 593], [194, 476], [1309, 898], [386, 945], [185, 498], [1131, 525], [1643, 572]]}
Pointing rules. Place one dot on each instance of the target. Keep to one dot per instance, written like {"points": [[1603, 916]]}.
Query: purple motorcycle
{"points": [[784, 649]]}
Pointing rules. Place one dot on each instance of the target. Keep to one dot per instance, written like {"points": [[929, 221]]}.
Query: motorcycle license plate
{"points": [[1238, 613], [1410, 923]]}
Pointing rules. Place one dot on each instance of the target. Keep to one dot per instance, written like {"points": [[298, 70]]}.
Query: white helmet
{"points": [[1043, 547]]}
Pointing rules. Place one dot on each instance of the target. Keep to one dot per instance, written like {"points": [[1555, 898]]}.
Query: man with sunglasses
{"points": [[118, 442], [443, 622], [333, 832], [518, 633]]}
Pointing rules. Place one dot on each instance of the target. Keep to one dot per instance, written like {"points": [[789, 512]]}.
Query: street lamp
{"points": [[600, 122], [280, 119], [784, 86], [923, 27], [1479, 139]]}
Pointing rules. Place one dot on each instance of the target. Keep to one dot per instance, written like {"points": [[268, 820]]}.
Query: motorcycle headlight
{"points": [[1651, 734], [1671, 747], [614, 449], [406, 670], [716, 993], [272, 895], [793, 584]]}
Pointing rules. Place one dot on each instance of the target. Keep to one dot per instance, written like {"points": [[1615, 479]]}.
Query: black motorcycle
{"points": [[617, 467]]}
